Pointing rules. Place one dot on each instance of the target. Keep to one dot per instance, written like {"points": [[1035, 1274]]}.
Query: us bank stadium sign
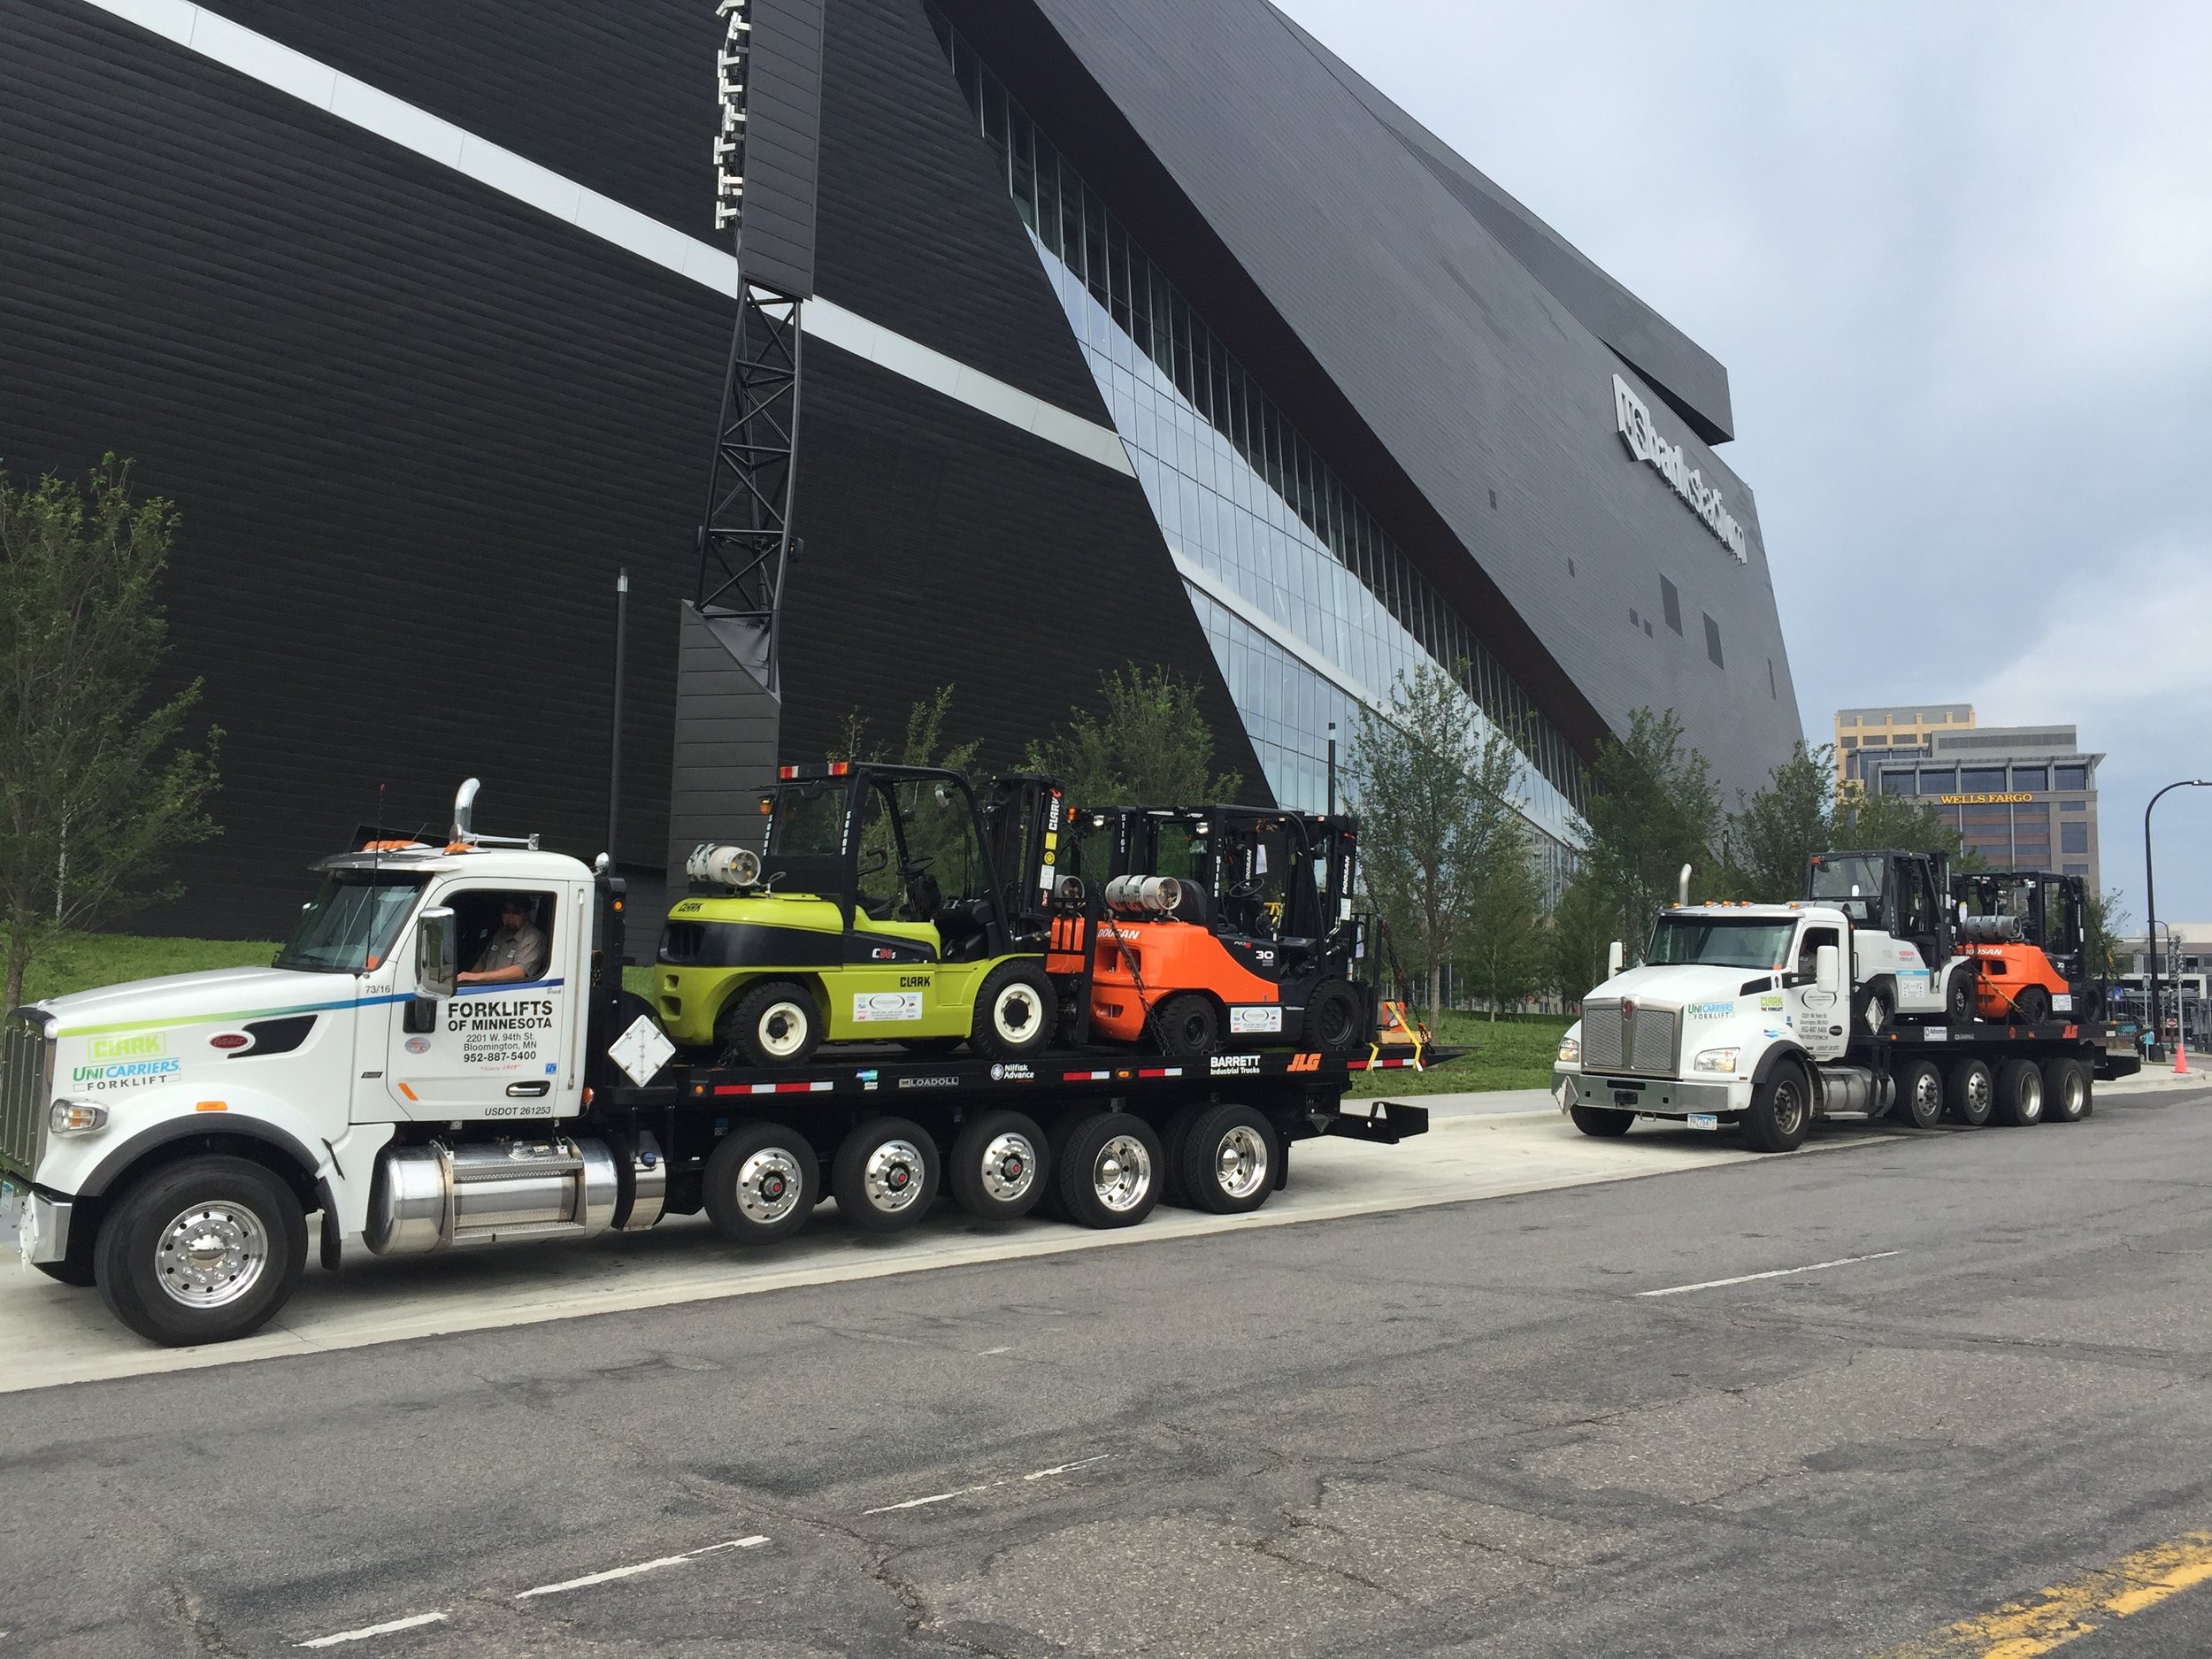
{"points": [[1645, 443]]}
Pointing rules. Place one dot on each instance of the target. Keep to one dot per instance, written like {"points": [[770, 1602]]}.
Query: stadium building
{"points": [[1132, 329]]}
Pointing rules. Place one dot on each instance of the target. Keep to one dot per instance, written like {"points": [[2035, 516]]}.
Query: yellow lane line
{"points": [[2051, 1617]]}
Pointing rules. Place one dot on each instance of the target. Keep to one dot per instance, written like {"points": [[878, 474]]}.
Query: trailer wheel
{"points": [[2065, 1092], [1173, 1138], [2020, 1093], [1229, 1161], [1016, 1011], [1919, 1094], [775, 1024], [1189, 1028], [202, 1251], [999, 1169], [1968, 1094], [1110, 1174], [885, 1175], [1960, 997], [1333, 1019], [1781, 1109], [761, 1183], [2033, 1005], [1601, 1121]]}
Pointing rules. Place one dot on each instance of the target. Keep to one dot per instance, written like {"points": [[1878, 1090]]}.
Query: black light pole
{"points": [[2150, 904], [1332, 769], [614, 752]]}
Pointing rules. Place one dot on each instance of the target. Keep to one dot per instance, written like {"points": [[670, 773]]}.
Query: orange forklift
{"points": [[1211, 928], [2027, 931]]}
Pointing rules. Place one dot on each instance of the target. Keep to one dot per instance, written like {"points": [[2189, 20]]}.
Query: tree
{"points": [[1775, 831], [1584, 925], [2104, 920], [1440, 814], [1870, 820], [1507, 941], [96, 793], [925, 743], [1655, 808], [1146, 743]]}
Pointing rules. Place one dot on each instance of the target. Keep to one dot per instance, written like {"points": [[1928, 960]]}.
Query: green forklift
{"points": [[874, 912]]}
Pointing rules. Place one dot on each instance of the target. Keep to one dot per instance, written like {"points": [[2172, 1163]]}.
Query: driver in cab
{"points": [[516, 953]]}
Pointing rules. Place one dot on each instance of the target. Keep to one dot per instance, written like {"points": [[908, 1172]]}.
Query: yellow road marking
{"points": [[2049, 1618]]}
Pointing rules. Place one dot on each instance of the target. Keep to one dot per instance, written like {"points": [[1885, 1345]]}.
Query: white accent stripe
{"points": [[374, 1629], [1779, 1272], [1206, 582], [304, 77]]}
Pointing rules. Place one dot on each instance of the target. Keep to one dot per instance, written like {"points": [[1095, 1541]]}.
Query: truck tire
{"points": [[1173, 1138], [773, 1023], [2065, 1091], [999, 1167], [1016, 1012], [2032, 1005], [1601, 1121], [1229, 1161], [761, 1184], [1188, 1026], [1109, 1175], [2019, 1093], [1968, 1093], [1781, 1109], [1919, 1096], [1333, 1022], [885, 1175], [1960, 995], [203, 1250]]}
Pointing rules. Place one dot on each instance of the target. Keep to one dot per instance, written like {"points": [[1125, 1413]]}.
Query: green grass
{"points": [[84, 962], [1516, 1052]]}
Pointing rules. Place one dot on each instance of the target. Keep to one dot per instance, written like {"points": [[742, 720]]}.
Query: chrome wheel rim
{"points": [[1015, 1012], [1927, 1099], [1121, 1175], [1009, 1166], [2031, 1101], [212, 1255], [1240, 1163], [1977, 1095], [783, 1029], [1789, 1108], [892, 1179], [768, 1186]]}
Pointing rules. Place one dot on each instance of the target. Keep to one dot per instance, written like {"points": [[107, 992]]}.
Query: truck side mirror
{"points": [[434, 967], [1614, 956], [1828, 968]]}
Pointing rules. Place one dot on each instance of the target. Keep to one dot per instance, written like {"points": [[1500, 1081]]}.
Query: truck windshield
{"points": [[350, 925], [1732, 942]]}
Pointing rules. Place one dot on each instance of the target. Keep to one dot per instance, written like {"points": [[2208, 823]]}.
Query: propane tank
{"points": [[1142, 896], [720, 865], [1992, 930], [433, 1197]]}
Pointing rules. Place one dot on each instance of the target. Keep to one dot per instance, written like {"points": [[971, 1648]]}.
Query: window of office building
{"points": [[2073, 838], [1939, 780], [2073, 777], [1260, 526], [1981, 779], [1712, 644], [2035, 778], [1897, 783]]}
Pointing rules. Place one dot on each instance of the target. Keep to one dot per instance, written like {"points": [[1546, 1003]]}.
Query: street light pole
{"points": [[2150, 904]]}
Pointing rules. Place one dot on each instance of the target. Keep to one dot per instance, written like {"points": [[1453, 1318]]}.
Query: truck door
{"points": [[1819, 1015], [496, 1049]]}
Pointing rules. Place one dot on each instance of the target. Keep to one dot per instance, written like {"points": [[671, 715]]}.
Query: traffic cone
{"points": [[2181, 1055]]}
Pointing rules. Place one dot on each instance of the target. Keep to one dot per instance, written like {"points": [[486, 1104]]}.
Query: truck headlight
{"points": [[1570, 1050], [76, 1118], [1715, 1060]]}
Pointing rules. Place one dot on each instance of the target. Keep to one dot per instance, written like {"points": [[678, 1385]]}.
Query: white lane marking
{"points": [[988, 1486], [612, 1573], [1779, 1272], [988, 1352], [367, 1631]]}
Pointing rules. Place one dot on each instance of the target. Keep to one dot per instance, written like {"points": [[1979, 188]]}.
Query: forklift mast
{"points": [[1903, 893]]}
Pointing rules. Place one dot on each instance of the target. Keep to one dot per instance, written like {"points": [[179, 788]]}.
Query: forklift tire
{"points": [[1189, 1029], [2032, 1005], [774, 1023], [762, 1183], [1016, 1012], [1968, 1093], [1229, 1161], [1333, 1019], [205, 1250], [1960, 996], [1601, 1121], [2020, 1093], [1781, 1110], [999, 1167], [2089, 1004], [2065, 1091], [885, 1175], [1108, 1173], [1919, 1096]]}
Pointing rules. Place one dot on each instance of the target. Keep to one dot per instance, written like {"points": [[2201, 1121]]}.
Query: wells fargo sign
{"points": [[1985, 800]]}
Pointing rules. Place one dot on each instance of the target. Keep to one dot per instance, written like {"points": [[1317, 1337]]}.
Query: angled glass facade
{"points": [[1310, 608]]}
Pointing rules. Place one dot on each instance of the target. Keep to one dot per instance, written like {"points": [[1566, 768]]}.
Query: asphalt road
{"points": [[1461, 1430]]}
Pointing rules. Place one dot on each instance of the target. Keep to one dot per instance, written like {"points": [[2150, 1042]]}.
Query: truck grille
{"points": [[1644, 1045], [27, 1089]]}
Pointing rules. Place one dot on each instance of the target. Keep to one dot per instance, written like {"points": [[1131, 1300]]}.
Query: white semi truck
{"points": [[1743, 1014], [167, 1139]]}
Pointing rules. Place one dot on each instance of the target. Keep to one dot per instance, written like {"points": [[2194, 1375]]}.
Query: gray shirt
{"points": [[524, 945]]}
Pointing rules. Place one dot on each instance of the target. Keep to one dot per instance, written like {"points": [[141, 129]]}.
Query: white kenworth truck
{"points": [[167, 1139], [1743, 1015]]}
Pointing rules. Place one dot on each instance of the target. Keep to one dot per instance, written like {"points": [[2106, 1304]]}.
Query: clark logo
{"points": [[142, 1046]]}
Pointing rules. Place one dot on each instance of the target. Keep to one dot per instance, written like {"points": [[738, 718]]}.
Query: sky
{"points": [[1957, 259]]}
